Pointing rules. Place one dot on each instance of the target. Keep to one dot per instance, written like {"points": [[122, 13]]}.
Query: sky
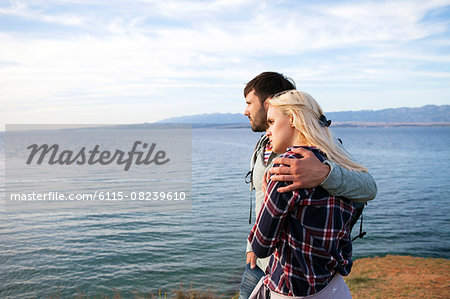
{"points": [[105, 62]]}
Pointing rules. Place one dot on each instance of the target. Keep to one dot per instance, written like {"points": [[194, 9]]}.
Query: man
{"points": [[307, 172]]}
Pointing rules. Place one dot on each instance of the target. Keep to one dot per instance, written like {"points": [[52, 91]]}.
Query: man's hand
{"points": [[251, 258], [307, 172]]}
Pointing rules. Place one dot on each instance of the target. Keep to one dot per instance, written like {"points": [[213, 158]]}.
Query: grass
{"points": [[180, 293], [378, 277], [359, 281]]}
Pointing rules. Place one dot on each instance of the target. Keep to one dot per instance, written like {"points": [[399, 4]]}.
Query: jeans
{"points": [[250, 279]]}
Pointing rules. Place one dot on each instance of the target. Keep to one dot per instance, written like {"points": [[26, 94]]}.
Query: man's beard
{"points": [[259, 122], [258, 127]]}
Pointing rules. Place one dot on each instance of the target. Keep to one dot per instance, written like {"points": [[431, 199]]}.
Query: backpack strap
{"points": [[249, 175], [358, 214]]}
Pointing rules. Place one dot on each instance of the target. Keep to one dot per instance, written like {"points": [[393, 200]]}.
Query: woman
{"points": [[307, 229]]}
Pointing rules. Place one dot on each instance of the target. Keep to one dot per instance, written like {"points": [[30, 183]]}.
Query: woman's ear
{"points": [[291, 120]]}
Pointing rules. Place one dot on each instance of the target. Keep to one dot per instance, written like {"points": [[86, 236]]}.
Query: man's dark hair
{"points": [[267, 84]]}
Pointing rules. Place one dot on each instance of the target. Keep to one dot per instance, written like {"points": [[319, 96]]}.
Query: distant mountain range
{"points": [[430, 114]]}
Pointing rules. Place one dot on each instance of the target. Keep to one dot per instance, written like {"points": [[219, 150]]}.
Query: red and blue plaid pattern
{"points": [[308, 231]]}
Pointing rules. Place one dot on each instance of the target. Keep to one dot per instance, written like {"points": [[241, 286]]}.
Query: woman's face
{"points": [[280, 132]]}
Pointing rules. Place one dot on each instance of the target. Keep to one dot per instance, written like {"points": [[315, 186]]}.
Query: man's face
{"points": [[256, 112]]}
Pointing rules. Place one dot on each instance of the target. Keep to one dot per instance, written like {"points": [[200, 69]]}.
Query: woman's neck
{"points": [[299, 141]]}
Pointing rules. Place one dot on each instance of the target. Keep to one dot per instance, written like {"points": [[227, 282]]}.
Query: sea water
{"points": [[133, 248]]}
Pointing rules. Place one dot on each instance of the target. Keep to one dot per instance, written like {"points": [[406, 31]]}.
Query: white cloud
{"points": [[19, 9], [161, 52]]}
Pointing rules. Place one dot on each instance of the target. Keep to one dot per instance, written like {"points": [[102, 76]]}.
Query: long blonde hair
{"points": [[306, 112]]}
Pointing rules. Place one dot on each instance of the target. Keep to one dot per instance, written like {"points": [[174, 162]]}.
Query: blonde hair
{"points": [[306, 112]]}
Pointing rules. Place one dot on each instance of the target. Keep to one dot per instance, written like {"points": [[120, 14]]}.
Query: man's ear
{"points": [[266, 104]]}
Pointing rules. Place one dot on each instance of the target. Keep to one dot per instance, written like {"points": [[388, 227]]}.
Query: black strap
{"points": [[361, 233], [250, 215], [248, 177], [248, 180]]}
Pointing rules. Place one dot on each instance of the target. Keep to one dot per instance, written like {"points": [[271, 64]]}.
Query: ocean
{"points": [[68, 250]]}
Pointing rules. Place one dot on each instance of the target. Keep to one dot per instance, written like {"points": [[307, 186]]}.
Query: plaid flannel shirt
{"points": [[309, 231]]}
